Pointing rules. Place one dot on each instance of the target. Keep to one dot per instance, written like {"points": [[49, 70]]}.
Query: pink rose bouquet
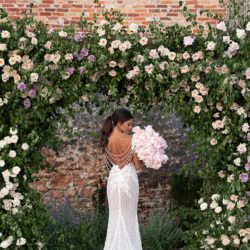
{"points": [[149, 146]]}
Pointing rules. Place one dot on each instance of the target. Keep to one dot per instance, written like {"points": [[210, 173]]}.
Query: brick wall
{"points": [[58, 13], [76, 170]]}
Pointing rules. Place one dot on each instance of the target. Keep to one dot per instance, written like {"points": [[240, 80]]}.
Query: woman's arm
{"points": [[138, 163]]}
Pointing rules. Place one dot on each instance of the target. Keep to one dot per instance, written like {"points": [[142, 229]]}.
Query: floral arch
{"points": [[204, 77]]}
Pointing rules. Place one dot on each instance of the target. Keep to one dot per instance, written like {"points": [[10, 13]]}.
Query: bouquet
{"points": [[149, 146]]}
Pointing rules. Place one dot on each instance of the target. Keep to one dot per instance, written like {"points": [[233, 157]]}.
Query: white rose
{"points": [[171, 55], [13, 131], [117, 27], [12, 153], [2, 163], [34, 77], [2, 63], [62, 33], [231, 219], [210, 240], [240, 33], [34, 41], [242, 148], [230, 178], [225, 240], [25, 146], [230, 206], [101, 32], [197, 109], [222, 174], [213, 141], [195, 93], [201, 200], [112, 64], [199, 98], [188, 40], [214, 205], [68, 57], [21, 241], [16, 170], [48, 45], [7, 140], [5, 34], [133, 27], [6, 243], [203, 206], [226, 39], [143, 41], [3, 47], [112, 73], [115, 44], [236, 241], [102, 42], [237, 161], [245, 127], [221, 26], [248, 26], [14, 138], [127, 44], [218, 210], [211, 46], [3, 192]]}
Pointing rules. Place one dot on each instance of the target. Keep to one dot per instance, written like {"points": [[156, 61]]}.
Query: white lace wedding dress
{"points": [[123, 193]]}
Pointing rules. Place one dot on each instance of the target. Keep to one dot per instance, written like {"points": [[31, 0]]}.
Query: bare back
{"points": [[119, 151]]}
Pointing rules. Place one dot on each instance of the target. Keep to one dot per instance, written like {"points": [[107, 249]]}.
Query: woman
{"points": [[122, 187]]}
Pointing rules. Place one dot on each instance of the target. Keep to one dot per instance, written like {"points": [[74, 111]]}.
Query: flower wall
{"points": [[204, 77]]}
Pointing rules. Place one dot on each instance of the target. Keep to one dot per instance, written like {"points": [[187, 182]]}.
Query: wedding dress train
{"points": [[123, 193]]}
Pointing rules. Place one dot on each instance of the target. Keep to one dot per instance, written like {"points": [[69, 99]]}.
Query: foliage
{"points": [[160, 231]]}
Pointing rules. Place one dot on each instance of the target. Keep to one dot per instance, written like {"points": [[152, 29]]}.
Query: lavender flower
{"points": [[78, 37], [26, 102], [248, 193], [83, 53], [243, 177], [248, 158], [248, 136], [21, 86], [70, 70], [82, 69], [91, 58], [247, 166], [32, 93]]}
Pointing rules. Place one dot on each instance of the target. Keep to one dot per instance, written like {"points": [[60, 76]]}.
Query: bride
{"points": [[122, 187]]}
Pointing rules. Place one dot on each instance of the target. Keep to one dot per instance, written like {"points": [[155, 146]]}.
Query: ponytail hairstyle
{"points": [[119, 115]]}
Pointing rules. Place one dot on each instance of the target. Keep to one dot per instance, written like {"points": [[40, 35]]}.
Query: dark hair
{"points": [[119, 115]]}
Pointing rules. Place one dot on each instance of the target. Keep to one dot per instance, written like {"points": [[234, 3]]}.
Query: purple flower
{"points": [[248, 193], [70, 70], [26, 102], [83, 53], [243, 177], [32, 93], [247, 166], [82, 69], [248, 136], [21, 86], [78, 37], [91, 58]]}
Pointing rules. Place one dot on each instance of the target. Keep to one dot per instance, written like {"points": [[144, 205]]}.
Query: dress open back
{"points": [[123, 193]]}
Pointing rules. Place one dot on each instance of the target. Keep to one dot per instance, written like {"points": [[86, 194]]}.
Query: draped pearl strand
{"points": [[123, 158]]}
